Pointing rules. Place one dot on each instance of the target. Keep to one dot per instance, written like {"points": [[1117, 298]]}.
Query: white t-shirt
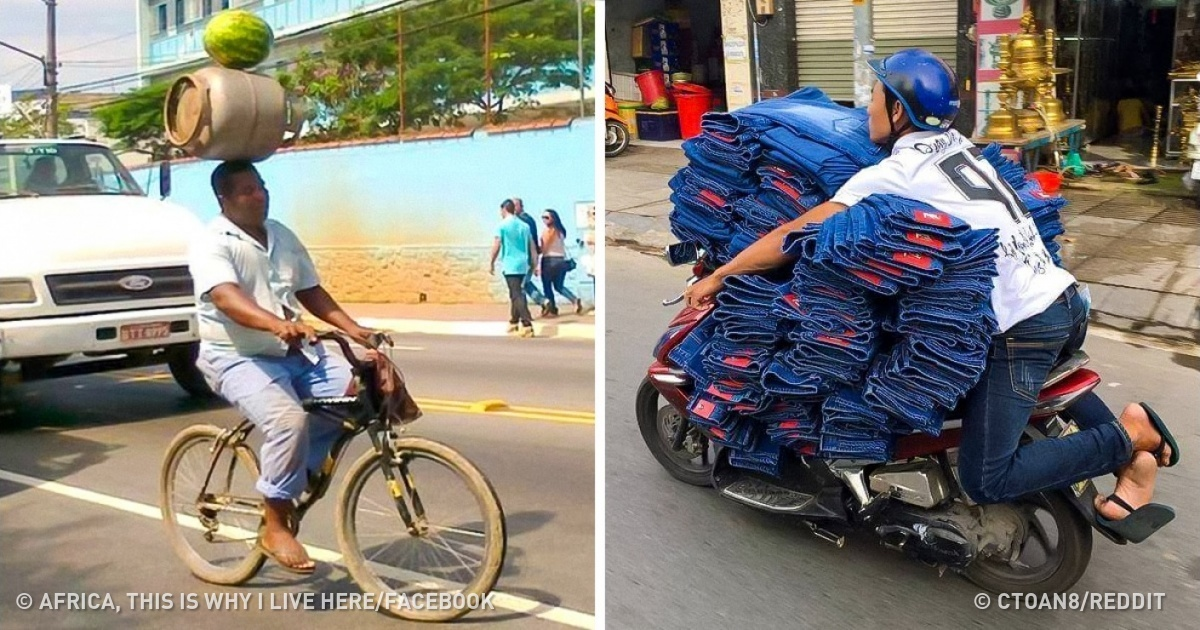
{"points": [[947, 171], [270, 275]]}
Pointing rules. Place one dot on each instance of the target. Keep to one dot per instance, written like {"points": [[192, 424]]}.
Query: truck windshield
{"points": [[59, 169]]}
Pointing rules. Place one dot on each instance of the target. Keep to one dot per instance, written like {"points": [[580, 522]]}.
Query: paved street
{"points": [[106, 434], [1140, 253], [681, 557]]}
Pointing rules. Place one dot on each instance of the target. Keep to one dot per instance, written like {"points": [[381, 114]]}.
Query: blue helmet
{"points": [[924, 85]]}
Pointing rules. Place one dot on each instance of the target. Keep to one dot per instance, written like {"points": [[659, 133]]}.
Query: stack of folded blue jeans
{"points": [[885, 322]]}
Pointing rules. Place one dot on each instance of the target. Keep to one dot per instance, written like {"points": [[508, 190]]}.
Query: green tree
{"points": [[30, 122], [136, 120], [352, 85]]}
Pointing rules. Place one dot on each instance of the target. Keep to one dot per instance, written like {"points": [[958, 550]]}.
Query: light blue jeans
{"points": [[267, 391]]}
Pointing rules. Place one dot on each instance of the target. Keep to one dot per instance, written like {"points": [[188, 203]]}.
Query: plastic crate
{"points": [[658, 126]]}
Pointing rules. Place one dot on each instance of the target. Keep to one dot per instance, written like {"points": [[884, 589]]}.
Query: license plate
{"points": [[1196, 170], [1080, 487], [141, 332]]}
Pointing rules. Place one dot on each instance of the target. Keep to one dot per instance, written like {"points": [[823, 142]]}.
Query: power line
{"points": [[290, 62]]}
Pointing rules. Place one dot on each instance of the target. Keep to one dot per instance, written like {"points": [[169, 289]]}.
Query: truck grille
{"points": [[120, 286]]}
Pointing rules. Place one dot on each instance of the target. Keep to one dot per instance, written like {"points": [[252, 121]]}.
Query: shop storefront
{"points": [[1117, 62]]}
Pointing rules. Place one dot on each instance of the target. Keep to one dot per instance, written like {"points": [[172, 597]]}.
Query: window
{"points": [[180, 12], [206, 8], [161, 10], [54, 169], [224, 4]]}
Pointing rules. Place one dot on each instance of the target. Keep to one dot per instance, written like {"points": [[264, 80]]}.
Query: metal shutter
{"points": [[825, 37], [928, 24], [825, 46]]}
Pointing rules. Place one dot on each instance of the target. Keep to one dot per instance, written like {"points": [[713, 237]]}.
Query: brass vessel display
{"points": [[1028, 103]]}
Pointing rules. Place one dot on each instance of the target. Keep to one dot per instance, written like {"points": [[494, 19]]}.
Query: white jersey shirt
{"points": [[947, 171]]}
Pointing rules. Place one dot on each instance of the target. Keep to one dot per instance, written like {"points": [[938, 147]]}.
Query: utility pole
{"points": [[51, 69], [487, 61], [400, 67], [864, 49], [579, 41]]}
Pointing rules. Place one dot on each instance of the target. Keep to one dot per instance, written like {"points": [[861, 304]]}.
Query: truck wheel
{"points": [[182, 361]]}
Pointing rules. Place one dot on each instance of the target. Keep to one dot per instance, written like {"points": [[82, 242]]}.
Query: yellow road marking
{"points": [[492, 407]]}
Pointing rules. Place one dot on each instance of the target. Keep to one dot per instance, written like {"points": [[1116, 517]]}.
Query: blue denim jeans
{"points": [[268, 391], [994, 467]]}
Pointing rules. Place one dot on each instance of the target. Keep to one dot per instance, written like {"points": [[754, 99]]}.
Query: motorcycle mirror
{"points": [[682, 254]]}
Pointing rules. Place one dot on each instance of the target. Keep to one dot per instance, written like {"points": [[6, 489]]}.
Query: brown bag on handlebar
{"points": [[389, 381]]}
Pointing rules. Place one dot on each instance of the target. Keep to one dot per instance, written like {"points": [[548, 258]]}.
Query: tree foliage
{"points": [[136, 120], [352, 84], [28, 121]]}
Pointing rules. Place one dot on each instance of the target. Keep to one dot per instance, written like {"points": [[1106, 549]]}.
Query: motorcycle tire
{"points": [[659, 445], [616, 139], [1075, 539]]}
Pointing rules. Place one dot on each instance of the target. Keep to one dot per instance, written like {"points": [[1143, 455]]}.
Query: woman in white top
{"points": [[554, 264]]}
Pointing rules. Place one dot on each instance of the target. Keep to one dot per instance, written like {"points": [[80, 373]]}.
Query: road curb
{"points": [[578, 331]]}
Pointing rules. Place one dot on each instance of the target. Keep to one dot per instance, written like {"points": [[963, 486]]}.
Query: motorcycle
{"points": [[913, 503], [616, 130]]}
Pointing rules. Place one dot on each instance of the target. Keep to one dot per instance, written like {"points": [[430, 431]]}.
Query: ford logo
{"points": [[135, 283]]}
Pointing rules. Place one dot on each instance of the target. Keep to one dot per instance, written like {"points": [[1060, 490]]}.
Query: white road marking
{"points": [[530, 607]]}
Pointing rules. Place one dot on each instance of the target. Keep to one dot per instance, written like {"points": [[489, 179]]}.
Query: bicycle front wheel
{"points": [[432, 544]]}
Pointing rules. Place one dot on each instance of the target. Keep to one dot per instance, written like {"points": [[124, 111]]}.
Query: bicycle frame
{"points": [[368, 417]]}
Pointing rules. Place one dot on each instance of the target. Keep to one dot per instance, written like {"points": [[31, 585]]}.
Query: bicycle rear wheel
{"points": [[214, 530], [451, 555]]}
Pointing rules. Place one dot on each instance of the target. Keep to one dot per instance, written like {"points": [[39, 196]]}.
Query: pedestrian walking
{"points": [[556, 264], [515, 248], [529, 286]]}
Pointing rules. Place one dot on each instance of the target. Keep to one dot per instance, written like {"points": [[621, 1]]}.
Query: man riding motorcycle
{"points": [[1041, 316]]}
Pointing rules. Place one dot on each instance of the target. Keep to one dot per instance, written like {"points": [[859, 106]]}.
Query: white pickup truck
{"points": [[93, 274]]}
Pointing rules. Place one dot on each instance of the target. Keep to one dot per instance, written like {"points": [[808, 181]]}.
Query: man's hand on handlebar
{"points": [[703, 291], [294, 333]]}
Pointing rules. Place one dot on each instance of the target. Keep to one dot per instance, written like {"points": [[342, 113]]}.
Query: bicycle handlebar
{"points": [[375, 342]]}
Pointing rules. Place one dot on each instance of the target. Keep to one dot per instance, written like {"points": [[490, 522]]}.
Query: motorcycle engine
{"points": [[954, 535]]}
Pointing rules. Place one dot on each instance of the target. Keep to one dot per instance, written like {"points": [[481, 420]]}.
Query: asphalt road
{"points": [[681, 557], [107, 434]]}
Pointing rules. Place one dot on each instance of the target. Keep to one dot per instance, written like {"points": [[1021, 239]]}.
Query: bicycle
{"points": [[223, 507]]}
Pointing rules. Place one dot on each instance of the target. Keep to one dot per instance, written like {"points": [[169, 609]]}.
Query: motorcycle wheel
{"points": [[1049, 562], [616, 139], [694, 463]]}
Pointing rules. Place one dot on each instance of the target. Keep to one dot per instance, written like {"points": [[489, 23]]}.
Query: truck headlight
{"points": [[17, 292]]}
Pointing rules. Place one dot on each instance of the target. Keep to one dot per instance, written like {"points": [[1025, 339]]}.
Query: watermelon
{"points": [[238, 39]]}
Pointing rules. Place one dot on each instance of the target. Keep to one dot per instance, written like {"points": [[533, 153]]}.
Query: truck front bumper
{"points": [[98, 334]]}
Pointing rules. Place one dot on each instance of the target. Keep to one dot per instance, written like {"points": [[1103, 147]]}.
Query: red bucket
{"points": [[1049, 181], [653, 85], [692, 101]]}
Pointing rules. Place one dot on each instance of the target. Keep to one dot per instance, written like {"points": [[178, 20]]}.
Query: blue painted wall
{"points": [[417, 193]]}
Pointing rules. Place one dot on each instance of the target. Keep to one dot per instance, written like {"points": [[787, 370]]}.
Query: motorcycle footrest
{"points": [[764, 495]]}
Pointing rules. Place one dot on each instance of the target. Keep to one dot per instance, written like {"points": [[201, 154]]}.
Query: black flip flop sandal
{"points": [[1139, 524], [1166, 440]]}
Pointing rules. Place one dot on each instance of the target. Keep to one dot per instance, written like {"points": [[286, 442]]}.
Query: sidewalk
{"points": [[1139, 253], [478, 320]]}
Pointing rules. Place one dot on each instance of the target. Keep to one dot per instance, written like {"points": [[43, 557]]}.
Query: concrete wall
{"points": [[414, 221]]}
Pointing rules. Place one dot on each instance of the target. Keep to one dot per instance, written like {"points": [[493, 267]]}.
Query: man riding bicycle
{"points": [[1041, 316], [252, 276]]}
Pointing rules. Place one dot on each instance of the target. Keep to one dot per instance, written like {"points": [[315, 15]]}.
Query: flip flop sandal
{"points": [[1166, 438], [291, 568], [1139, 524]]}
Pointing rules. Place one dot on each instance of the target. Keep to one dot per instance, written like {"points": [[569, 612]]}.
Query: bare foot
{"points": [[1142, 432], [1135, 485], [287, 550]]}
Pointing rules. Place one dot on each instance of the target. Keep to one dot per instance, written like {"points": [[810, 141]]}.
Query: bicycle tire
{"points": [[233, 575], [485, 497]]}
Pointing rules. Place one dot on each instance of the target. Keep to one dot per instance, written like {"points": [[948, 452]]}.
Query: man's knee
{"points": [[979, 487]]}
